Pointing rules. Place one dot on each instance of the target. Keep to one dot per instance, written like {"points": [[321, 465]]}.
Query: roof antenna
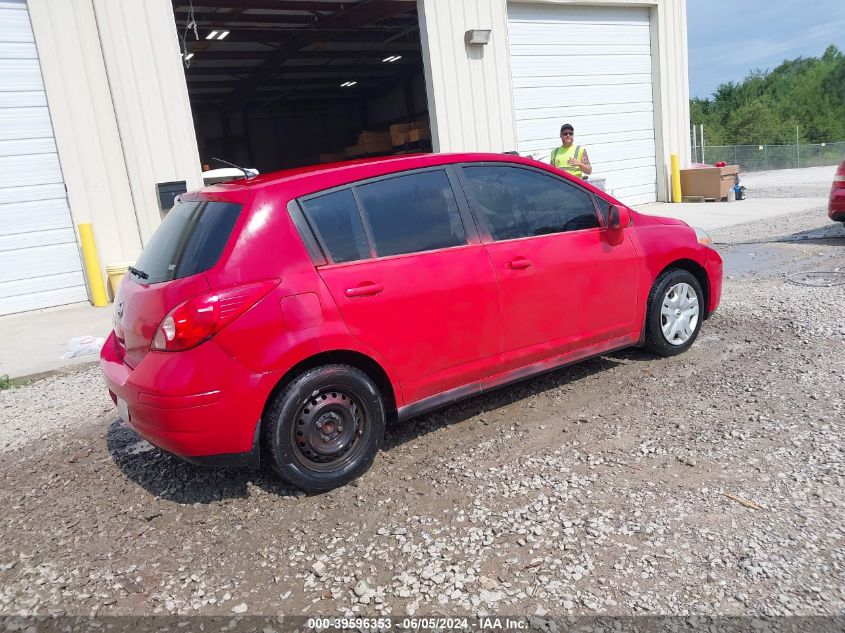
{"points": [[248, 173]]}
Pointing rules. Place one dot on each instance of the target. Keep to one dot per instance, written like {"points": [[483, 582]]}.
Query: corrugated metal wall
{"points": [[669, 46], [120, 110], [470, 88], [84, 124], [470, 97], [150, 98]]}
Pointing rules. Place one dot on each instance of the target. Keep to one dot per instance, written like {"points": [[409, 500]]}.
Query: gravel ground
{"points": [[807, 182], [709, 483]]}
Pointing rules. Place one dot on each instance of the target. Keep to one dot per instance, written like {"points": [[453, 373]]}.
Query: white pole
{"points": [[702, 143], [797, 147], [694, 144]]}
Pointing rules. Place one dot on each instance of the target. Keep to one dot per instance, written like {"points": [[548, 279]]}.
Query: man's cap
{"points": [[566, 126]]}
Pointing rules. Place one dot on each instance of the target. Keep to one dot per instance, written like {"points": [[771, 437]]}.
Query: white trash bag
{"points": [[83, 345]]}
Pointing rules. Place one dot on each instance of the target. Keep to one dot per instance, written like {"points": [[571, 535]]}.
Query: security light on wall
{"points": [[478, 37]]}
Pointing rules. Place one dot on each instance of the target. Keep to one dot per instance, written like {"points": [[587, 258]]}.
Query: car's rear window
{"points": [[189, 240]]}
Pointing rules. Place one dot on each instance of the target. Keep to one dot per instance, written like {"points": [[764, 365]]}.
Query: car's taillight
{"points": [[201, 317], [839, 178]]}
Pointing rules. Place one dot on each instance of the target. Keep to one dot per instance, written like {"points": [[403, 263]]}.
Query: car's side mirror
{"points": [[618, 217]]}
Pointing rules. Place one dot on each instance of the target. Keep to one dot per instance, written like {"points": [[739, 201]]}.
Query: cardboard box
{"points": [[332, 158], [399, 133], [374, 138], [401, 138], [376, 148], [709, 182], [420, 134]]}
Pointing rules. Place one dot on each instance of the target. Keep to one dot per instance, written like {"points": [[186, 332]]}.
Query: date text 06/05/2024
{"points": [[418, 623]]}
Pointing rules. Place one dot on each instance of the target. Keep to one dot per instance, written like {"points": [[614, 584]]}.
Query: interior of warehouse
{"points": [[275, 84]]}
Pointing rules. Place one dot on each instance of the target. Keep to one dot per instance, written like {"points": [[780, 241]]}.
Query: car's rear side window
{"points": [[189, 240], [517, 202], [337, 221], [412, 213]]}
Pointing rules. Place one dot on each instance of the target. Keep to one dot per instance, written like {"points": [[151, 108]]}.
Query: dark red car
{"points": [[294, 314], [836, 206]]}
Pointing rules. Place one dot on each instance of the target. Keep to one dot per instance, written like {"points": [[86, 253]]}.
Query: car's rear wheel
{"points": [[325, 427], [675, 313]]}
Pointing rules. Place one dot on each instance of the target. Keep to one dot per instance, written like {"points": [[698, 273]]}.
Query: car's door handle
{"points": [[519, 263], [366, 289]]}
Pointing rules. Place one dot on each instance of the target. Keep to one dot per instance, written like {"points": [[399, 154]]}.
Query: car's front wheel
{"points": [[325, 427], [675, 313]]}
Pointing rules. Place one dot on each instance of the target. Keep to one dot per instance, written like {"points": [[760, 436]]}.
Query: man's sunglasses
{"points": [[567, 133]]}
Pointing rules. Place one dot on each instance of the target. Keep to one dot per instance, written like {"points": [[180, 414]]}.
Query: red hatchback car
{"points": [[291, 315], [836, 205]]}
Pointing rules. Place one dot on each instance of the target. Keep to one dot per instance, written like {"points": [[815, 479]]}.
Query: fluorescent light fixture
{"points": [[211, 35], [189, 56], [392, 58], [348, 84], [222, 35]]}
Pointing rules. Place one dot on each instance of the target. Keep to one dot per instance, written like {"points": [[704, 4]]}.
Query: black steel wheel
{"points": [[325, 427]]}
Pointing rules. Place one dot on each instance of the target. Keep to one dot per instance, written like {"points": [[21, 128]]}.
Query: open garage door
{"points": [[275, 84], [589, 66]]}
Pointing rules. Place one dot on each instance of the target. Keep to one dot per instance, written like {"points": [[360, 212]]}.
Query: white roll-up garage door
{"points": [[40, 264], [591, 67]]}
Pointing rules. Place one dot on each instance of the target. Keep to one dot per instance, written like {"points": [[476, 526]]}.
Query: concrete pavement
{"points": [[769, 194], [717, 215], [33, 342]]}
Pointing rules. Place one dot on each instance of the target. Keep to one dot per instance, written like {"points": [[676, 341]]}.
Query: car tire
{"points": [[325, 427], [670, 328]]}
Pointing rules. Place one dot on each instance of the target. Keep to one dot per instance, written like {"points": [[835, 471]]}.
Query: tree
{"points": [[767, 105]]}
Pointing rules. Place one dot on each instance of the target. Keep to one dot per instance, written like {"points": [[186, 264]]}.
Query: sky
{"points": [[730, 38]]}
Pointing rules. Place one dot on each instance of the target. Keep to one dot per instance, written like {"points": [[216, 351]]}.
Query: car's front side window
{"points": [[412, 213], [517, 202]]}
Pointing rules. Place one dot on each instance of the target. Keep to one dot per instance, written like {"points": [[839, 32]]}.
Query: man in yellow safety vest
{"points": [[571, 157]]}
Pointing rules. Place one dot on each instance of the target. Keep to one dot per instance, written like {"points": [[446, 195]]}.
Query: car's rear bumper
{"points": [[198, 404], [836, 206], [713, 268]]}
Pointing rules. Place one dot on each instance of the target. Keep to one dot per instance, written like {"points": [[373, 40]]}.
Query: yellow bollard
{"points": [[676, 178], [92, 266]]}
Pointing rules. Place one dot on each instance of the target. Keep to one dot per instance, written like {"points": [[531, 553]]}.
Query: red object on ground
{"points": [[249, 284], [836, 205]]}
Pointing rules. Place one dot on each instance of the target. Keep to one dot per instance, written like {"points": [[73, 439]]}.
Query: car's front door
{"points": [[414, 283], [564, 284]]}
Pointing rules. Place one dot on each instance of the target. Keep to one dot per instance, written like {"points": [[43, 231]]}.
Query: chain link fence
{"points": [[765, 157]]}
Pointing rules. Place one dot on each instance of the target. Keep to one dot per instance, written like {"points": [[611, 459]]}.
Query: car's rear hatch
{"points": [[188, 242]]}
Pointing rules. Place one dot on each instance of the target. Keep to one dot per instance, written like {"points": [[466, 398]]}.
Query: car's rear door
{"points": [[565, 286], [410, 277]]}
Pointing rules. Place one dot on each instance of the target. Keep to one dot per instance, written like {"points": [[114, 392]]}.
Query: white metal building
{"points": [[97, 106]]}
